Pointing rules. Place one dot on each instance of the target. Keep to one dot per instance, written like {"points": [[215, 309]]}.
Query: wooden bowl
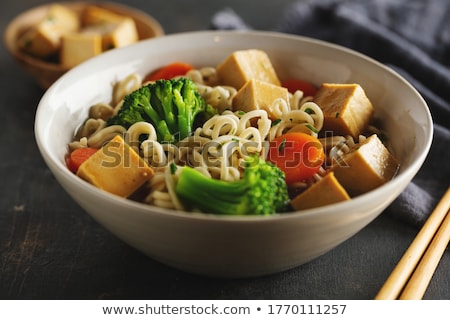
{"points": [[46, 72]]}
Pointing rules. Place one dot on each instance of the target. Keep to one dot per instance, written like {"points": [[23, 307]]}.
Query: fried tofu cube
{"points": [[346, 108], [41, 41], [115, 35], [367, 166], [116, 30], [116, 168], [326, 191], [63, 17], [93, 15], [256, 94], [244, 65], [79, 47], [44, 39], [120, 35]]}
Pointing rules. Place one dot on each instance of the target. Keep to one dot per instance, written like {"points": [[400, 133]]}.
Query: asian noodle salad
{"points": [[232, 139]]}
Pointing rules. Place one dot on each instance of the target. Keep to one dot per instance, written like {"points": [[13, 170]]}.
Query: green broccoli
{"points": [[261, 191], [171, 106]]}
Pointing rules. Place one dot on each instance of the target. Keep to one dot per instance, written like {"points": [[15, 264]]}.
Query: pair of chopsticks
{"points": [[411, 276]]}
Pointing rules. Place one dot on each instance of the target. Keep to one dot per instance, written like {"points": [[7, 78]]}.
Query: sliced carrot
{"points": [[297, 84], [78, 156], [169, 71], [298, 154]]}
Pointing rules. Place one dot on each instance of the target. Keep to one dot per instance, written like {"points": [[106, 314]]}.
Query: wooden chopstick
{"points": [[396, 282], [421, 277]]}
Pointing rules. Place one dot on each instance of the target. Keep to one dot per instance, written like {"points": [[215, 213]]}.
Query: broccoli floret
{"points": [[261, 191], [171, 106]]}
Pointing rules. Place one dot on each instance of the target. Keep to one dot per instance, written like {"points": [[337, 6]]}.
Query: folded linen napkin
{"points": [[410, 36]]}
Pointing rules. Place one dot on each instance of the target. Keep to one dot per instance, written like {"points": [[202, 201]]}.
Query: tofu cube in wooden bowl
{"points": [[50, 39]]}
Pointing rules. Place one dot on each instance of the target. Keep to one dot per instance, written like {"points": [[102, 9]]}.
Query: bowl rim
{"points": [[341, 207], [10, 36]]}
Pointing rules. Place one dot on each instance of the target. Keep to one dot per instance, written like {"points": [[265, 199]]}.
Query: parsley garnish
{"points": [[275, 122], [282, 145], [173, 168], [310, 127]]}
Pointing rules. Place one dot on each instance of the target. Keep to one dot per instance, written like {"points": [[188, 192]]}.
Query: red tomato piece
{"points": [[169, 71], [298, 154], [296, 84]]}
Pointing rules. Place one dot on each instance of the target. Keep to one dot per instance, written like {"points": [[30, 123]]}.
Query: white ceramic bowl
{"points": [[230, 246]]}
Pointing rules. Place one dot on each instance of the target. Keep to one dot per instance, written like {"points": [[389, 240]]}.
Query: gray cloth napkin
{"points": [[410, 36]]}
